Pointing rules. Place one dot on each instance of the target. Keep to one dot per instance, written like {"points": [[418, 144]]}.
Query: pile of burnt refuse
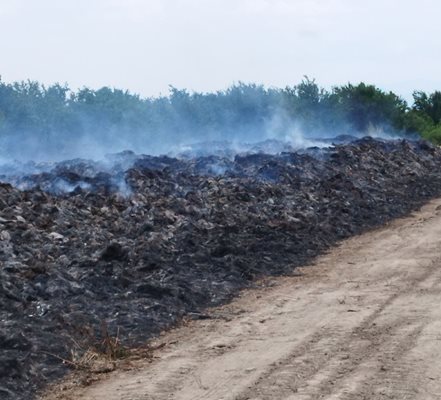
{"points": [[142, 241]]}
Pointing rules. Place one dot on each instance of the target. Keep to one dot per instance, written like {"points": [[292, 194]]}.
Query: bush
{"points": [[416, 122], [433, 135]]}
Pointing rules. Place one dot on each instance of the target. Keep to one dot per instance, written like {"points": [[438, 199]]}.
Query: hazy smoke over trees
{"points": [[54, 123]]}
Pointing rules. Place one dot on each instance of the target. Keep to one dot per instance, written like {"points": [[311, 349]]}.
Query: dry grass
{"points": [[99, 356]]}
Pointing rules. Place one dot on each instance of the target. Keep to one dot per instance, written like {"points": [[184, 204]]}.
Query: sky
{"points": [[207, 45]]}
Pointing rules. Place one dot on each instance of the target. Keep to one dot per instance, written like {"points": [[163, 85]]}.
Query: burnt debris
{"points": [[150, 239]]}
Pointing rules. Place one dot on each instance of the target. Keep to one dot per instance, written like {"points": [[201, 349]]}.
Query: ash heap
{"points": [[138, 242]]}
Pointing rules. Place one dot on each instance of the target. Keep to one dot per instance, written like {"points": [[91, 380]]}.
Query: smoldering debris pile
{"points": [[139, 247]]}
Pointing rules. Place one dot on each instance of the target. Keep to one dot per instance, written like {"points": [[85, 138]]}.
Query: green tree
{"points": [[366, 105], [428, 104]]}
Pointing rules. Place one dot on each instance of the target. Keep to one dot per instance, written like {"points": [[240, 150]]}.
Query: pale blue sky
{"points": [[205, 45]]}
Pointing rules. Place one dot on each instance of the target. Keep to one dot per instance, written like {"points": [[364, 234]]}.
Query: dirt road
{"points": [[363, 323]]}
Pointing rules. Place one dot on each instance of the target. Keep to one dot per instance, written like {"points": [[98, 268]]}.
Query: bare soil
{"points": [[364, 322]]}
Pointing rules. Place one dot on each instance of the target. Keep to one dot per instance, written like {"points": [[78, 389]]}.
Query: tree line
{"points": [[55, 113]]}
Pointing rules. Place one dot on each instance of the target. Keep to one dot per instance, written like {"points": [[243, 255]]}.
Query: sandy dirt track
{"points": [[364, 322]]}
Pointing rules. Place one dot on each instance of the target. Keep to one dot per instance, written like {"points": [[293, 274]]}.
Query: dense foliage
{"points": [[56, 116]]}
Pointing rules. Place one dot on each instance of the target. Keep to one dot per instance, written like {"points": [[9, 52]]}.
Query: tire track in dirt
{"points": [[335, 359]]}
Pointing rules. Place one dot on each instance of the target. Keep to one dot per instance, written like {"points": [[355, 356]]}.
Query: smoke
{"points": [[54, 124], [109, 150], [102, 131]]}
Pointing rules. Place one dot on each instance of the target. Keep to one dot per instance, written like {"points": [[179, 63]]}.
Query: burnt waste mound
{"points": [[143, 241]]}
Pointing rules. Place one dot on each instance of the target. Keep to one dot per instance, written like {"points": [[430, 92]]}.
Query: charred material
{"points": [[155, 238]]}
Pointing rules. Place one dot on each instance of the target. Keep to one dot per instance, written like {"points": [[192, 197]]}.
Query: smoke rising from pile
{"points": [[41, 128], [279, 132], [54, 124]]}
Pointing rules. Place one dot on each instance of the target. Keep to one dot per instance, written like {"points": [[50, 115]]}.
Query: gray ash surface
{"points": [[151, 239]]}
